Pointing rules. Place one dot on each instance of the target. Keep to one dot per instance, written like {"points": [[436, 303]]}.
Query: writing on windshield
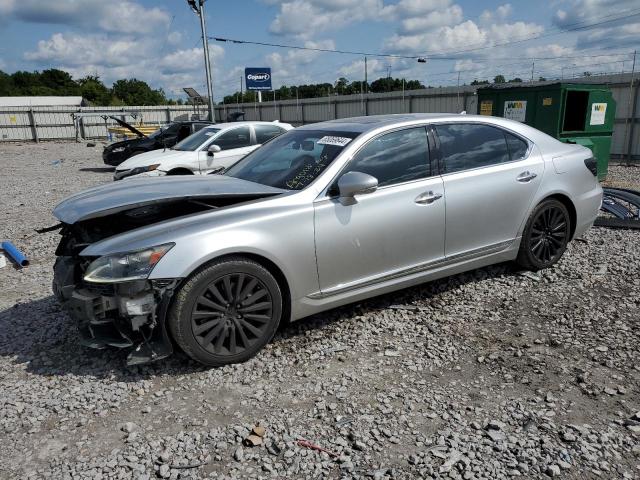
{"points": [[293, 160]]}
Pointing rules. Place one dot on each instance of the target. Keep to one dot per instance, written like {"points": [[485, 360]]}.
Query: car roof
{"points": [[247, 122], [373, 122]]}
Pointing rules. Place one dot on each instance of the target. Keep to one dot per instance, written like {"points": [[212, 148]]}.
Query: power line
{"points": [[542, 35], [314, 49], [438, 56]]}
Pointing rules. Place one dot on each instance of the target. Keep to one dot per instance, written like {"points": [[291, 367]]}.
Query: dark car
{"points": [[166, 136]]}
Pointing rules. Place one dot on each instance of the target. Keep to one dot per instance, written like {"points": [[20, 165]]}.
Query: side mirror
{"points": [[356, 183], [213, 148]]}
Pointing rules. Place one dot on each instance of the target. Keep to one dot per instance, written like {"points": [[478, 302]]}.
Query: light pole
{"points": [[198, 7]]}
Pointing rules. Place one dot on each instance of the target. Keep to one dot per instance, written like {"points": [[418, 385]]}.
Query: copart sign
{"points": [[257, 78]]}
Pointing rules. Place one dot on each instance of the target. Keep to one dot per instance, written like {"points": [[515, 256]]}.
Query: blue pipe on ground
{"points": [[14, 254]]}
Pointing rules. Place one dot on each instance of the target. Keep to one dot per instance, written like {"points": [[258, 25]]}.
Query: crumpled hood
{"points": [[119, 196], [149, 158]]}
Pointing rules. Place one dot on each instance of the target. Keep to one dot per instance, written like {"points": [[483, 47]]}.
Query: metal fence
{"points": [[55, 123]]}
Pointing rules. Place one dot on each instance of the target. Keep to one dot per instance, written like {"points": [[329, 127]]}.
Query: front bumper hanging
{"points": [[122, 315]]}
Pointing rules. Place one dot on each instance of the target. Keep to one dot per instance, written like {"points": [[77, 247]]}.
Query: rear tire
{"points": [[545, 237], [226, 312]]}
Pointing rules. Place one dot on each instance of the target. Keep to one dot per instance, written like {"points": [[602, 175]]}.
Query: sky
{"points": [[160, 41]]}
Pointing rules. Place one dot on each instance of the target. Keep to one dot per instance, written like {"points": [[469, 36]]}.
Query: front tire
{"points": [[226, 312], [545, 237]]}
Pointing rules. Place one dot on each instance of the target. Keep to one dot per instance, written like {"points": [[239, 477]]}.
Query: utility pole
{"points": [[366, 85], [630, 112], [241, 92], [533, 64], [198, 7], [458, 93]]}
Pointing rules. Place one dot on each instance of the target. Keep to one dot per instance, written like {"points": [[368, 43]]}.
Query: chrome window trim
{"points": [[529, 143]]}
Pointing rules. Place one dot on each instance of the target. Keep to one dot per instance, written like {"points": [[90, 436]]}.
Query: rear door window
{"points": [[264, 133], [465, 146], [394, 157], [236, 138]]}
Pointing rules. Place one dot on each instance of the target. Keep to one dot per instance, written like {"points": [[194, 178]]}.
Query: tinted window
{"points": [[465, 146], [195, 141], [395, 157], [517, 147], [170, 129], [199, 126], [236, 138], [264, 133]]}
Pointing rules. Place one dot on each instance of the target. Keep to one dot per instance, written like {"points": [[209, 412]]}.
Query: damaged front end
{"points": [[123, 315], [110, 294], [111, 300]]}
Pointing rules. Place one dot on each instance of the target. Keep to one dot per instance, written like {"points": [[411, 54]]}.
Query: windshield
{"points": [[163, 128], [195, 141], [292, 160]]}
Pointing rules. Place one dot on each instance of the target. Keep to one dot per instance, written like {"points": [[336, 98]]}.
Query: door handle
{"points": [[427, 197], [527, 176]]}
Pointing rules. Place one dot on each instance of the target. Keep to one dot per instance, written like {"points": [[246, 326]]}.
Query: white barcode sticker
{"points": [[337, 141]]}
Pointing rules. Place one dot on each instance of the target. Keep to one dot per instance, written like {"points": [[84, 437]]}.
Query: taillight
{"points": [[592, 165]]}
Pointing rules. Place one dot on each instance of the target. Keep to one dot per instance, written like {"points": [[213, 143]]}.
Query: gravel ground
{"points": [[490, 374]]}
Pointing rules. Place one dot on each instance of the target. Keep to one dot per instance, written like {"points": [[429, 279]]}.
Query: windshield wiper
{"points": [[217, 171]]}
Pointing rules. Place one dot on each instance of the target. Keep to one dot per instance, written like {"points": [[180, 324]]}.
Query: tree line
{"points": [[91, 88], [342, 86]]}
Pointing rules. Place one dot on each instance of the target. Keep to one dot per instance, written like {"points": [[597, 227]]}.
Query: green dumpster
{"points": [[570, 112]]}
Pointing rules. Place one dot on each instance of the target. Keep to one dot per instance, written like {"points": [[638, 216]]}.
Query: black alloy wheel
{"points": [[545, 236], [549, 234], [226, 312], [232, 313]]}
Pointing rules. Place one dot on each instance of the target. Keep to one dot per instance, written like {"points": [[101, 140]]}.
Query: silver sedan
{"points": [[321, 216]]}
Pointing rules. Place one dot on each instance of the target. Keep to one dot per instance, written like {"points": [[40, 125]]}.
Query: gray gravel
{"points": [[490, 374]]}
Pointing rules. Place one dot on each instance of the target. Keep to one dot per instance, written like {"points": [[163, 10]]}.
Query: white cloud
{"points": [[307, 17], [292, 67], [123, 16], [126, 57], [500, 13], [189, 60], [437, 18], [464, 36], [174, 38], [620, 33], [504, 11], [412, 8], [76, 50]]}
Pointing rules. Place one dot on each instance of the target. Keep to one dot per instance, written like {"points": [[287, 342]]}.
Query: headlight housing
{"points": [[122, 267], [148, 168], [119, 149]]}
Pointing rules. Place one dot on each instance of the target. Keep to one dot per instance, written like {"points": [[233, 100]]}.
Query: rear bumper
{"points": [[128, 314], [587, 209]]}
